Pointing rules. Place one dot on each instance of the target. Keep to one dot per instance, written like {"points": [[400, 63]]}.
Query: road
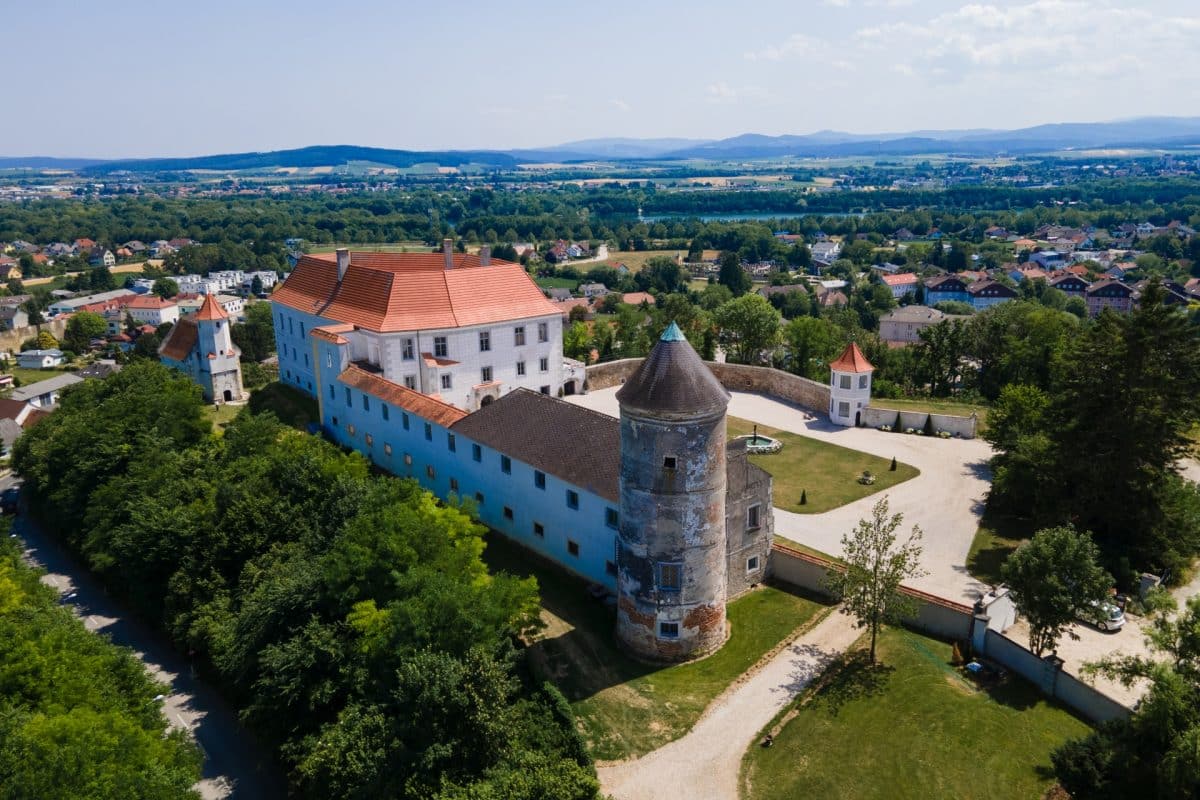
{"points": [[235, 766]]}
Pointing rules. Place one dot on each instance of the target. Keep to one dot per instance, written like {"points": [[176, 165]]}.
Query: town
{"points": [[704, 459]]}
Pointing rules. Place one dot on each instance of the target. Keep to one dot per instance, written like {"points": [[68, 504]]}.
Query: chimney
{"points": [[485, 256], [448, 252], [343, 261]]}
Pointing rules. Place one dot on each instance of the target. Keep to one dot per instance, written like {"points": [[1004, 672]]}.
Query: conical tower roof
{"points": [[673, 381], [851, 360], [210, 309]]}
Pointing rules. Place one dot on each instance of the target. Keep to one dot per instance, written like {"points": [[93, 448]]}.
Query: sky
{"points": [[132, 78]]}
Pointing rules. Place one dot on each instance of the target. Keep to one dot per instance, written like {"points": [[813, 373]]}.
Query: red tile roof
{"points": [[637, 298], [332, 333], [210, 309], [422, 405], [901, 279], [851, 360], [412, 291], [147, 301], [180, 340]]}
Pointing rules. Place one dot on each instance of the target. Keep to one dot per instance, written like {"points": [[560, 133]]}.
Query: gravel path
{"points": [[704, 764]]}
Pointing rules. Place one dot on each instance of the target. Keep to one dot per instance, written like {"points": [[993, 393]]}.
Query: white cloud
{"points": [[796, 45], [721, 93], [620, 105]]}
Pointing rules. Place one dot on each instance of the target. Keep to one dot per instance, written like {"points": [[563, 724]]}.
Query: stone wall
{"points": [[964, 427], [10, 341], [735, 377]]}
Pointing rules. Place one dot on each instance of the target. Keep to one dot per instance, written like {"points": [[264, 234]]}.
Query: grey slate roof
{"points": [[58, 382], [580, 446], [673, 382]]}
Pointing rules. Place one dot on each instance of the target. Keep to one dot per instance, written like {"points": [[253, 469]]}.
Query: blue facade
{"points": [[567, 524], [294, 347], [934, 296]]}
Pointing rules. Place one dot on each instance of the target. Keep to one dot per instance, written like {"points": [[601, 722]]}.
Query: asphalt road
{"points": [[235, 766]]}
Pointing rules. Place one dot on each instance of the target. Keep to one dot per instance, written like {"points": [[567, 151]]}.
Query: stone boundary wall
{"points": [[873, 417], [947, 619], [803, 392], [10, 341]]}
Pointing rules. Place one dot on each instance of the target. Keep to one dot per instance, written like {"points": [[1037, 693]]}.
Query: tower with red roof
{"points": [[201, 345], [849, 386]]}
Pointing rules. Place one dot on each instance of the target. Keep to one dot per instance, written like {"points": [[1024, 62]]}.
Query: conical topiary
{"points": [[803, 497], [892, 468], [898, 426], [929, 424]]}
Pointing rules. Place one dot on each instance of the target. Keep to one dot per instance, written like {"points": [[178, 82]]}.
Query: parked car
{"points": [[1105, 616], [8, 500]]}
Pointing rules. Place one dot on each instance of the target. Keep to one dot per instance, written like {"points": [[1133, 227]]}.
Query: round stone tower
{"points": [[671, 548]]}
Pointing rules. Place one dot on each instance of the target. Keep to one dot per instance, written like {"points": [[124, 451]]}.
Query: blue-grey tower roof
{"points": [[673, 381]]}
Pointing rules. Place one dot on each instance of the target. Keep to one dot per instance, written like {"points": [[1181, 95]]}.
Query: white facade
{"points": [[470, 366], [154, 316], [849, 394]]}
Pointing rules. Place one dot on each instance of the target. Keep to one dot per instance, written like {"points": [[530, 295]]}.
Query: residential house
{"points": [[593, 290], [232, 304], [1109, 293], [81, 246], [40, 359], [902, 326], [70, 305], [99, 369], [829, 298], [102, 257], [16, 417], [995, 232], [987, 293], [150, 309], [826, 251], [559, 293], [946, 288], [1020, 274], [181, 242], [902, 284], [1071, 284], [903, 235], [1048, 259], [135, 247], [12, 317], [10, 268], [887, 268], [568, 305], [22, 246], [44, 394]]}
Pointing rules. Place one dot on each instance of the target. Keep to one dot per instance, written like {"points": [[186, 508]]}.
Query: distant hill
{"points": [[623, 147], [43, 162], [317, 156]]}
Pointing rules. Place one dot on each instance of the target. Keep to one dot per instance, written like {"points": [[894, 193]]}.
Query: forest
{"points": [[348, 615]]}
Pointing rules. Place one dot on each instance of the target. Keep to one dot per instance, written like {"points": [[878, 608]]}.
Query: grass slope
{"points": [[914, 729], [624, 707], [827, 473], [932, 406]]}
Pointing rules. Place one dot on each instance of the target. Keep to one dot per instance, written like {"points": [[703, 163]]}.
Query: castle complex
{"points": [[201, 346], [658, 506]]}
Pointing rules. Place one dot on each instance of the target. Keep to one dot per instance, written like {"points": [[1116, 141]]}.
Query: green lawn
{"points": [[914, 728], [221, 415], [993, 543], [292, 407], [624, 707], [934, 406], [556, 283], [827, 473], [27, 376]]}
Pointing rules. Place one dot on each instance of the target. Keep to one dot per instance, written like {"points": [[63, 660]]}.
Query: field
{"points": [[910, 730], [624, 707], [826, 473], [27, 376], [634, 259], [373, 247]]}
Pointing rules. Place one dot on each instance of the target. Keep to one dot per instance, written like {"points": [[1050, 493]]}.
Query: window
{"points": [[387, 448], [370, 440], [539, 529], [291, 329], [408, 459], [669, 462], [429, 471], [349, 398], [306, 360], [476, 453], [753, 517], [451, 443], [668, 630], [506, 465], [404, 420], [485, 375], [519, 336], [439, 347], [572, 547], [520, 368], [572, 499], [862, 381], [611, 518], [479, 498], [384, 408], [545, 390], [670, 577], [845, 381], [752, 564], [543, 331], [406, 351], [544, 364], [366, 403], [485, 341], [610, 568], [454, 484], [428, 432], [843, 409], [329, 360], [350, 429], [508, 513], [332, 392], [539, 479], [446, 381]]}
